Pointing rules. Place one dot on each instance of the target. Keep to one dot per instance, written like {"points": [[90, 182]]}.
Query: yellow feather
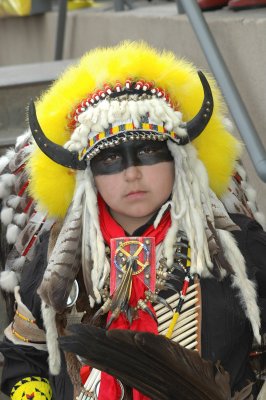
{"points": [[52, 185]]}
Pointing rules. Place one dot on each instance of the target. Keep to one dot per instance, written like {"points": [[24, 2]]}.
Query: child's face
{"points": [[134, 179]]}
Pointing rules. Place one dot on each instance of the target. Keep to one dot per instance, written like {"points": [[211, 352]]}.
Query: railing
{"points": [[235, 104]]}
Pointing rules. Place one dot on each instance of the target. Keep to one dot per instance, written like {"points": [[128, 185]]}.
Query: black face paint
{"points": [[131, 153]]}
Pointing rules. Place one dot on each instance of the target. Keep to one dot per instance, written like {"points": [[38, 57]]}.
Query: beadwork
{"points": [[129, 88], [163, 275]]}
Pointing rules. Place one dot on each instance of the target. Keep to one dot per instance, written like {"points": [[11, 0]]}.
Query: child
{"points": [[121, 220]]}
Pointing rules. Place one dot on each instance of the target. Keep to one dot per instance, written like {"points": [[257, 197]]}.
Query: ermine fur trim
{"points": [[247, 288], [189, 192], [54, 359]]}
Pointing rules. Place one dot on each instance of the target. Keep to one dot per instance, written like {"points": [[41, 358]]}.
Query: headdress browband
{"points": [[131, 88], [71, 159]]}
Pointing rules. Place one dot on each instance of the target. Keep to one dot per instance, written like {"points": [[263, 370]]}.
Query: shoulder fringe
{"points": [[247, 288], [54, 360]]}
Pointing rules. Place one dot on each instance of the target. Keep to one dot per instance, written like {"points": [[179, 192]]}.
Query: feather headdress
{"points": [[217, 148]]}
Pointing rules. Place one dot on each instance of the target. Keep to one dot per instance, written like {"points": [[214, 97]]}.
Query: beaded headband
{"points": [[82, 121], [138, 88]]}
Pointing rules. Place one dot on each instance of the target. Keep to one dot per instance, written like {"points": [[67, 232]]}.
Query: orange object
{"points": [[208, 5], [246, 4]]}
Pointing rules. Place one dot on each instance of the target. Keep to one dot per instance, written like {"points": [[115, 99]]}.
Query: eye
{"points": [[147, 150], [110, 158]]}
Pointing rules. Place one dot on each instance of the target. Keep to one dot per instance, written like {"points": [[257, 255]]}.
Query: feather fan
{"points": [[152, 364]]}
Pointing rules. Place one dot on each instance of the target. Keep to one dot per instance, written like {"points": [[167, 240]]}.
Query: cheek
{"points": [[107, 187], [164, 177]]}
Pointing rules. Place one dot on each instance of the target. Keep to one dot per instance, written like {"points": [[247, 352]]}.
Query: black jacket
{"points": [[226, 332]]}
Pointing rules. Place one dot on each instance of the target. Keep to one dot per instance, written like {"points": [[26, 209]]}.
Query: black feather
{"points": [[157, 367]]}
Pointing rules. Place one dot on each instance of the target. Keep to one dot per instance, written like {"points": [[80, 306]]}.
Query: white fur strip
{"points": [[48, 315], [247, 291]]}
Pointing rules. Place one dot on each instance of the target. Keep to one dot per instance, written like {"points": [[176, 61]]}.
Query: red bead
{"points": [[139, 84], [107, 88], [185, 286], [128, 83], [118, 86]]}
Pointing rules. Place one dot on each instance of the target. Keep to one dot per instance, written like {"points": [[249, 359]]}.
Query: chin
{"points": [[140, 214]]}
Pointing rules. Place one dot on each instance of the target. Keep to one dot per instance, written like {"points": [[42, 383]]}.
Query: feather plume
{"points": [[86, 261], [152, 364], [63, 265]]}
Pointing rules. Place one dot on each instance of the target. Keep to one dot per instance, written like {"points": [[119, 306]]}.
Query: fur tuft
{"points": [[3, 162], [8, 281], [18, 263], [4, 190], [8, 179], [13, 201], [23, 139], [12, 233], [7, 214], [20, 219]]}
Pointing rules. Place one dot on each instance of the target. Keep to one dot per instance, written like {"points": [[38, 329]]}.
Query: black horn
{"points": [[201, 120], [52, 150]]}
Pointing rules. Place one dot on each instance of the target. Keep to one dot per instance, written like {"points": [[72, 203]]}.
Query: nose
{"points": [[132, 173]]}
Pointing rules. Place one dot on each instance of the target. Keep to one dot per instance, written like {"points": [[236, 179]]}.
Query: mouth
{"points": [[136, 194]]}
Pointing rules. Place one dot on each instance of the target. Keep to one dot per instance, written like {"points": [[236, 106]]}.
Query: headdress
{"points": [[128, 88]]}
